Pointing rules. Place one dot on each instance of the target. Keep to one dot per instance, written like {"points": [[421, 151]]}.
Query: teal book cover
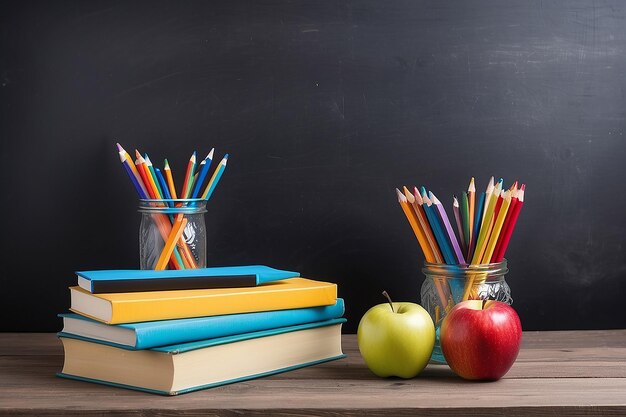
{"points": [[212, 363], [135, 280], [151, 334]]}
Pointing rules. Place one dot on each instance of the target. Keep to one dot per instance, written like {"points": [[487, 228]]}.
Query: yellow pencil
{"points": [[497, 227], [175, 234], [471, 198], [487, 224]]}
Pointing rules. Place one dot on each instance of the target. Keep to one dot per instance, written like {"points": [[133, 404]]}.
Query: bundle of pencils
{"points": [[484, 223], [151, 184]]}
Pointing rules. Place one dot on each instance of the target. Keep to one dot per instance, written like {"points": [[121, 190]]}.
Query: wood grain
{"points": [[573, 373]]}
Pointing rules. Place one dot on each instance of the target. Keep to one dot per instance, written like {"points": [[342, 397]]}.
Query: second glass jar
{"points": [[447, 285]]}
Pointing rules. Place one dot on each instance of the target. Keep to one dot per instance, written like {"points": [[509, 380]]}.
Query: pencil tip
{"points": [[137, 154], [166, 165], [210, 155], [119, 147], [472, 186], [401, 197]]}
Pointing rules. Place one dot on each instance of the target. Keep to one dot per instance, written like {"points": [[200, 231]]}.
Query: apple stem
{"points": [[484, 302], [389, 299]]}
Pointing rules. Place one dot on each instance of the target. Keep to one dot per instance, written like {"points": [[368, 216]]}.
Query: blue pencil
{"points": [[215, 178], [140, 191], [436, 226], [163, 184], [204, 168]]}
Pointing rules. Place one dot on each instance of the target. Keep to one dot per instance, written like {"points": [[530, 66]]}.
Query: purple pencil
{"points": [[444, 218], [137, 184], [459, 223]]}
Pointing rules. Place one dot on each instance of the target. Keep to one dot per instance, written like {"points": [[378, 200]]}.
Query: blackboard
{"points": [[324, 107]]}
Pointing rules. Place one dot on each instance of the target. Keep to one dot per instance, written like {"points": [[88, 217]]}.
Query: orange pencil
{"points": [[421, 217], [417, 230], [170, 244], [141, 168], [170, 179], [411, 216]]}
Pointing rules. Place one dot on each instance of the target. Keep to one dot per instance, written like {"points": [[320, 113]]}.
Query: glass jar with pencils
{"points": [[172, 234], [446, 285]]}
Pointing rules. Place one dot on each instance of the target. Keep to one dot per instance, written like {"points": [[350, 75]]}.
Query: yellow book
{"points": [[116, 308]]}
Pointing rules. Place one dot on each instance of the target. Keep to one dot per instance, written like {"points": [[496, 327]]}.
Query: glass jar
{"points": [[447, 285], [160, 219]]}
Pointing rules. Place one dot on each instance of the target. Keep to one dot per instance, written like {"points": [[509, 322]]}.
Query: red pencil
{"points": [[141, 168], [511, 220]]}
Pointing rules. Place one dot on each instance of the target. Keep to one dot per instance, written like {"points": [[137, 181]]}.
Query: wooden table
{"points": [[571, 373]]}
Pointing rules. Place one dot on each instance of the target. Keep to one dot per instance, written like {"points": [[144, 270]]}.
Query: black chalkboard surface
{"points": [[324, 107]]}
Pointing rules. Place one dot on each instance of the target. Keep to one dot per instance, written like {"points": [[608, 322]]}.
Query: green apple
{"points": [[396, 339]]}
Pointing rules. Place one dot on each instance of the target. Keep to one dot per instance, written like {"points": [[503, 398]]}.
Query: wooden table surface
{"points": [[568, 373]]}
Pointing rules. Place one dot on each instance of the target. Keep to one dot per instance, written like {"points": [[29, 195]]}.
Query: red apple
{"points": [[481, 339]]}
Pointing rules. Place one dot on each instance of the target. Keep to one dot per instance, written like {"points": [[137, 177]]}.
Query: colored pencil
{"points": [[161, 181], [441, 211], [459, 225], [423, 220], [123, 154], [477, 216], [497, 227], [464, 209], [411, 216], [412, 211], [488, 191], [170, 244], [471, 198], [202, 171], [170, 179], [487, 224], [161, 220], [499, 200], [139, 187], [507, 221], [140, 164], [154, 181], [446, 251], [511, 226], [217, 174], [184, 192]]}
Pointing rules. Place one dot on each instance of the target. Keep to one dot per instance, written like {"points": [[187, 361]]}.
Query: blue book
{"points": [[167, 332], [135, 280], [182, 368]]}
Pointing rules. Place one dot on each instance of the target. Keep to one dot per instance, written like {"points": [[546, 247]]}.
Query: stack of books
{"points": [[175, 331]]}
